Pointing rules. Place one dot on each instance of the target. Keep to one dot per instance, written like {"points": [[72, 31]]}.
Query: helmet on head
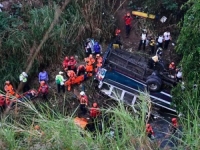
{"points": [[172, 63], [82, 93], [128, 14], [144, 30], [24, 74], [66, 58], [7, 82], [98, 55], [72, 57], [90, 56], [42, 82], [94, 105], [87, 40], [60, 72], [174, 120]]}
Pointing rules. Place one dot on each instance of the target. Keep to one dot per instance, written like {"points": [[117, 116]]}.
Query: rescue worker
{"points": [[152, 44], [159, 52], [9, 88], [172, 69], [72, 76], [143, 40], [10, 93], [2, 103], [117, 44], [99, 61], [178, 75], [128, 19], [160, 40], [83, 102], [43, 90], [65, 63], [149, 131], [43, 76], [174, 126], [153, 61], [72, 63], [167, 38], [60, 82], [88, 47], [23, 78], [94, 111], [89, 65], [80, 70]]}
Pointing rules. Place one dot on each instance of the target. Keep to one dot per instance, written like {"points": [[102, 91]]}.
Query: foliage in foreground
{"points": [[121, 129]]}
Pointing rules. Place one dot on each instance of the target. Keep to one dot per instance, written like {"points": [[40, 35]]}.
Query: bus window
{"points": [[116, 93], [128, 98]]}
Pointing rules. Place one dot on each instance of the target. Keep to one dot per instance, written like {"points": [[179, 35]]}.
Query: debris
{"points": [[163, 19]]}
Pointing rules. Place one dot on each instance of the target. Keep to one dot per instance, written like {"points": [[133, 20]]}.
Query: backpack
{"points": [[97, 47]]}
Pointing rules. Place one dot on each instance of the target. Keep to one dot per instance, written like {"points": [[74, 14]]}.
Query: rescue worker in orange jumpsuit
{"points": [[149, 131], [72, 64], [128, 19], [89, 65], [9, 92], [80, 70], [174, 126], [2, 103], [99, 61], [72, 76], [83, 102], [94, 111], [65, 63], [43, 90]]}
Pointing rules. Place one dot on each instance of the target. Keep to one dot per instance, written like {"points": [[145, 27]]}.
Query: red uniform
{"points": [[2, 100], [94, 112], [128, 19], [72, 63], [83, 100], [65, 64], [44, 89], [149, 130]]}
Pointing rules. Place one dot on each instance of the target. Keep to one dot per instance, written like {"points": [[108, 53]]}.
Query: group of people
{"points": [[94, 111], [173, 128], [161, 41]]}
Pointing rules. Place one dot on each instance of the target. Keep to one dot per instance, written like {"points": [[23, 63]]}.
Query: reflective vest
{"points": [[84, 100], [94, 112], [22, 78], [43, 89], [9, 89], [59, 79]]}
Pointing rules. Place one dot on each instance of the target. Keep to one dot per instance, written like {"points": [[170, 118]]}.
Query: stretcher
{"points": [[81, 122], [77, 80], [142, 14], [29, 95]]}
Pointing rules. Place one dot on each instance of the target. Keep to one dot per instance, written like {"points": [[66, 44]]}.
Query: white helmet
{"points": [[24, 74], [82, 93]]}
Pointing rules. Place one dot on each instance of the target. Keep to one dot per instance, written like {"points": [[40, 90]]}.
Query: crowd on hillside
{"points": [[74, 73]]}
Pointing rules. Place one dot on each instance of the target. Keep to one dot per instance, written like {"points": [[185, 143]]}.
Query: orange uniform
{"points": [[9, 89], [89, 65], [99, 61]]}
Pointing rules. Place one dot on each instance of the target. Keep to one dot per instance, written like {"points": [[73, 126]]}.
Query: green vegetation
{"points": [[21, 35]]}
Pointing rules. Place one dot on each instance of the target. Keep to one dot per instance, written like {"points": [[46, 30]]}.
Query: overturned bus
{"points": [[125, 75]]}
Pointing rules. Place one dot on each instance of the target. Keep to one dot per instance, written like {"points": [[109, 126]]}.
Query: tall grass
{"points": [[121, 129]]}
